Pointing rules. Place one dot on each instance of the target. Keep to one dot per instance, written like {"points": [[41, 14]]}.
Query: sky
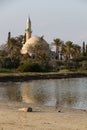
{"points": [[64, 19]]}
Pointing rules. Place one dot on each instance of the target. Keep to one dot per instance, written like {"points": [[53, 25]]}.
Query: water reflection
{"points": [[64, 92], [31, 92], [13, 92], [68, 99], [25, 93]]}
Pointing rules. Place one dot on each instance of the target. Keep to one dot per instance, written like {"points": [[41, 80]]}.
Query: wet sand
{"points": [[42, 118]]}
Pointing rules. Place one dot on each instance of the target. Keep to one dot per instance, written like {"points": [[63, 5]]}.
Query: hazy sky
{"points": [[64, 19]]}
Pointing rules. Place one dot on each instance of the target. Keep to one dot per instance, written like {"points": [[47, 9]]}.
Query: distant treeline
{"points": [[67, 56]]}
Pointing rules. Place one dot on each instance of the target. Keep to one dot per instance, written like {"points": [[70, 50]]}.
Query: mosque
{"points": [[34, 41]]}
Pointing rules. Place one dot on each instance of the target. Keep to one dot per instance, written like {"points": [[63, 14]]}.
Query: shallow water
{"points": [[71, 93]]}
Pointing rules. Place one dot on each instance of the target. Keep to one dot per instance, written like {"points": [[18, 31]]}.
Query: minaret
{"points": [[28, 29]]}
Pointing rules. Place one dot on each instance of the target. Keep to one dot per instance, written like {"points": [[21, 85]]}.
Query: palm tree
{"points": [[76, 51], [57, 43], [68, 50]]}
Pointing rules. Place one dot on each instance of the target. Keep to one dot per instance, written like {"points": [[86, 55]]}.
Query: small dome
{"points": [[32, 42]]}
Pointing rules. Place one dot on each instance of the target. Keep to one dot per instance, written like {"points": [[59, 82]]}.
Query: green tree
{"points": [[57, 43], [40, 54], [68, 50], [10, 52], [14, 46], [76, 51]]}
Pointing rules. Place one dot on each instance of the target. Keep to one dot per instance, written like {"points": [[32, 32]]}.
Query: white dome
{"points": [[34, 40], [30, 44]]}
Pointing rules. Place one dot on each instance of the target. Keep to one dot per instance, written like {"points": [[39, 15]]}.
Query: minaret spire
{"points": [[28, 28]]}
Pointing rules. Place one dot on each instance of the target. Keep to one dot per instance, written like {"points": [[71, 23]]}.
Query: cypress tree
{"points": [[83, 49]]}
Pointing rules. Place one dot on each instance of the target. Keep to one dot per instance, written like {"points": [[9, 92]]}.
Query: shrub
{"points": [[30, 67], [9, 63]]}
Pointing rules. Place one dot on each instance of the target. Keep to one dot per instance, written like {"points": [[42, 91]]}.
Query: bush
{"points": [[9, 63], [83, 65], [3, 70], [30, 67], [64, 71]]}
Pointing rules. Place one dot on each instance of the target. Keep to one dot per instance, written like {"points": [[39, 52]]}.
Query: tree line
{"points": [[68, 56]]}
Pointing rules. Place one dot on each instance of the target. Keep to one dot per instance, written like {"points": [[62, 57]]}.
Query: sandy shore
{"points": [[42, 118]]}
